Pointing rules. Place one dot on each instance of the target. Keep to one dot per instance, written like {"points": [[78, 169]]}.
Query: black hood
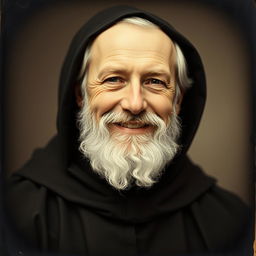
{"points": [[59, 168]]}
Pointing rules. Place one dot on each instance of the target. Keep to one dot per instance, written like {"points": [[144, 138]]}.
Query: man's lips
{"points": [[132, 127], [132, 124]]}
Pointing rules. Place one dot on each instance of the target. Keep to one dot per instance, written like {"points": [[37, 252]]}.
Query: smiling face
{"points": [[132, 70], [128, 127]]}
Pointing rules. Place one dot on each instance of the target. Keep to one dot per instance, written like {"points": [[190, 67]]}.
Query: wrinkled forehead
{"points": [[133, 40]]}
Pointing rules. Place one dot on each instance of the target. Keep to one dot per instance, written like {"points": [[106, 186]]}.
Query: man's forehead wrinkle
{"points": [[119, 58], [111, 51]]}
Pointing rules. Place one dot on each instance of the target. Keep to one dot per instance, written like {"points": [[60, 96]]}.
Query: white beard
{"points": [[124, 158]]}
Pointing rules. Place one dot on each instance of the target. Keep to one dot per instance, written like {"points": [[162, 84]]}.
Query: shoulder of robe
{"points": [[224, 221], [26, 208]]}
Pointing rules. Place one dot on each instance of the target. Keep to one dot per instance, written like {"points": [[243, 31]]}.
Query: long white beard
{"points": [[124, 158]]}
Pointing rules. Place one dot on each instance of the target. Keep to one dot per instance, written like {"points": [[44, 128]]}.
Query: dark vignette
{"points": [[15, 13]]}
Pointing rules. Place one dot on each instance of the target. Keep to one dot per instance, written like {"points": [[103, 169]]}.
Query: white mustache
{"points": [[146, 118]]}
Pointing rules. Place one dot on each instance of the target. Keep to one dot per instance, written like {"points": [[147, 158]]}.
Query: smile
{"points": [[132, 125]]}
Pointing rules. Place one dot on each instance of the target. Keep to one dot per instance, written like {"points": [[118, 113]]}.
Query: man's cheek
{"points": [[103, 103], [162, 106]]}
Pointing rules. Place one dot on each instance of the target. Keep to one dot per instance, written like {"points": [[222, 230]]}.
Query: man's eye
{"points": [[154, 81], [114, 79]]}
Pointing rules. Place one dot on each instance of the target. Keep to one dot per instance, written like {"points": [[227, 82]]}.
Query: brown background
{"points": [[221, 146]]}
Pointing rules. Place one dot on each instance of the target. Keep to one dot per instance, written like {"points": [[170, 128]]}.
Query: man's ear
{"points": [[78, 94], [178, 104]]}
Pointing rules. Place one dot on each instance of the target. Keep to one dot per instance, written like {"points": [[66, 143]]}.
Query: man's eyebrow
{"points": [[112, 69], [157, 73]]}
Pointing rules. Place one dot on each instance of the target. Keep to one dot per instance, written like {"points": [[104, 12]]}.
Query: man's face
{"points": [[128, 127], [131, 70]]}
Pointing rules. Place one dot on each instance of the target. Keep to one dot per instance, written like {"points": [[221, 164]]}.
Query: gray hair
{"points": [[183, 81]]}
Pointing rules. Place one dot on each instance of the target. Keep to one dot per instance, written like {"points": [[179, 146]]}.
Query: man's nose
{"points": [[134, 100]]}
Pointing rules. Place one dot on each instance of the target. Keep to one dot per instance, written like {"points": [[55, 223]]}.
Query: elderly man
{"points": [[116, 179]]}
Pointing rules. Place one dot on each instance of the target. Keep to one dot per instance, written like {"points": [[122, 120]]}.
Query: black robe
{"points": [[56, 203]]}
